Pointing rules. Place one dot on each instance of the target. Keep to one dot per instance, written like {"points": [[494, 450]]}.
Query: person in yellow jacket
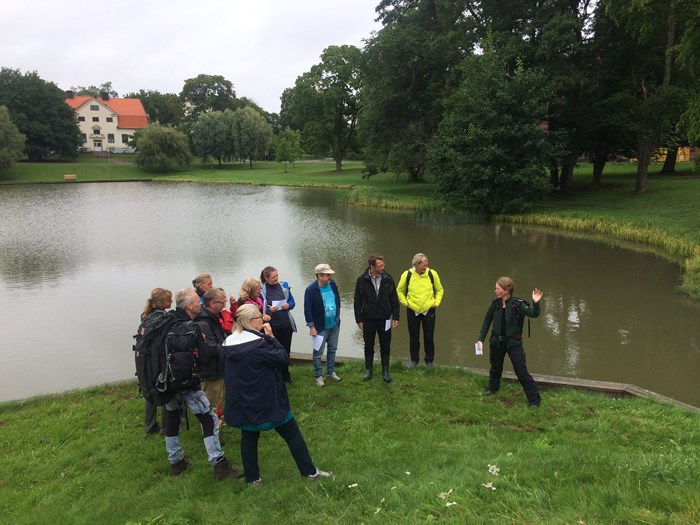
{"points": [[420, 291]]}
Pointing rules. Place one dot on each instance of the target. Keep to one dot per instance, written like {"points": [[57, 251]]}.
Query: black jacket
{"points": [[214, 338], [369, 305]]}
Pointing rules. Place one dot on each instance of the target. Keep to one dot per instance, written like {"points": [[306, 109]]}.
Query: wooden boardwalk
{"points": [[603, 387]]}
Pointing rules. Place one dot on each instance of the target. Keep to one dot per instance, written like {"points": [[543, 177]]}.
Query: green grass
{"points": [[396, 450], [667, 217]]}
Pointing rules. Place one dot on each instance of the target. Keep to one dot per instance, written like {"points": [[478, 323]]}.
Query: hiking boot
{"points": [[319, 381], [412, 364], [368, 374], [223, 470], [318, 475], [178, 468], [333, 376]]}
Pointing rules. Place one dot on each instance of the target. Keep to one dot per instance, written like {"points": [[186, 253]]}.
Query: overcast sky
{"points": [[261, 46]]}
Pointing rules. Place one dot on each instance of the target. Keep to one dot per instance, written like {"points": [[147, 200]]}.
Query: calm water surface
{"points": [[77, 263]]}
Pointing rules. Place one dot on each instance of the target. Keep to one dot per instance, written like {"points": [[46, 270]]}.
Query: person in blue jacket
{"points": [[279, 303], [322, 314], [256, 397]]}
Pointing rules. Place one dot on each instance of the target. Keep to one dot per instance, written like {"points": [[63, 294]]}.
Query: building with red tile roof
{"points": [[107, 123]]}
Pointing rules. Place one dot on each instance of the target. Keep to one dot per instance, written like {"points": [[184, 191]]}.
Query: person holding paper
{"points": [[279, 302], [376, 312], [322, 314], [505, 315], [420, 291]]}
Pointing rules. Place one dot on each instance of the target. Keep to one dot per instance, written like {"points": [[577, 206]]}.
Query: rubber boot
{"points": [[368, 374], [385, 374], [223, 470]]}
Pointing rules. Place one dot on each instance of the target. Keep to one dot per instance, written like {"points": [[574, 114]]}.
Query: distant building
{"points": [[107, 123]]}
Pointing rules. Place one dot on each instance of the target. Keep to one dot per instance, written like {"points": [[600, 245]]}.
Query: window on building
{"points": [[125, 138], [110, 138], [95, 119], [110, 119], [84, 136], [94, 107], [81, 119]]}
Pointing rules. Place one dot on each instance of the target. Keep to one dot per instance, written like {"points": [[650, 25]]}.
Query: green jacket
{"points": [[513, 331]]}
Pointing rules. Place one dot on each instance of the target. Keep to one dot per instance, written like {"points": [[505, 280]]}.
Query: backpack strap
{"points": [[432, 281]]}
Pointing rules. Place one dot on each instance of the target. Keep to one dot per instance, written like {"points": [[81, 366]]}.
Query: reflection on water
{"points": [[78, 261]]}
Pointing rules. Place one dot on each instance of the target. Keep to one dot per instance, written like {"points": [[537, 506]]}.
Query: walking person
{"points": [[376, 313], [322, 314], [256, 397], [505, 315], [420, 291], [279, 303]]}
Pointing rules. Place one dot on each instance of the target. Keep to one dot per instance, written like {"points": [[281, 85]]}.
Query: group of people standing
{"points": [[243, 354]]}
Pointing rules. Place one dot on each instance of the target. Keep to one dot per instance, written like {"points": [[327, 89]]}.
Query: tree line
{"points": [[493, 100]]}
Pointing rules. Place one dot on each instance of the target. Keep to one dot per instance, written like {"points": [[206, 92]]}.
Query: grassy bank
{"points": [[426, 448], [666, 217]]}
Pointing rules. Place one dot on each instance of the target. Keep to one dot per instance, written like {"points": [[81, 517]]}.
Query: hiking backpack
{"points": [[519, 315], [432, 281], [165, 356]]}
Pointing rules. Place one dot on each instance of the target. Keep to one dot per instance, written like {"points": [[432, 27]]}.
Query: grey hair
{"points": [[418, 258], [185, 297], [244, 315], [212, 294]]}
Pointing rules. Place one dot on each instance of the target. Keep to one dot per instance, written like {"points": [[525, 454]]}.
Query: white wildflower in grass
{"points": [[408, 473], [494, 470], [488, 485], [352, 486], [393, 488], [450, 503], [445, 495], [379, 509]]}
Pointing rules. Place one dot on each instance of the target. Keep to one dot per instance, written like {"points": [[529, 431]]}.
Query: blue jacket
{"points": [[288, 297], [252, 365], [314, 313]]}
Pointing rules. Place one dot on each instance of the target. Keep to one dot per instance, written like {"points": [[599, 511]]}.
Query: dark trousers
{"points": [[517, 356], [414, 323], [151, 416], [284, 336], [372, 328], [291, 433]]}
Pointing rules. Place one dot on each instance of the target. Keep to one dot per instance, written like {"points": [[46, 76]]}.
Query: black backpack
{"points": [[519, 315], [160, 371]]}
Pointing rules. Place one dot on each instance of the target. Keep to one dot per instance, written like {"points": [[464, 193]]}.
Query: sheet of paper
{"points": [[478, 349], [278, 304], [387, 327], [316, 342]]}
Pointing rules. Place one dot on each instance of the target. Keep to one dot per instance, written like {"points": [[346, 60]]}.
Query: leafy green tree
{"points": [[162, 108], [207, 93], [11, 140], [323, 104], [161, 149], [410, 67], [251, 134], [39, 110], [489, 155], [95, 91], [287, 147], [213, 135]]}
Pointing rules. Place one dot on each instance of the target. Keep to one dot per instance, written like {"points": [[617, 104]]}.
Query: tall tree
{"points": [[323, 104], [213, 135], [39, 110], [207, 93], [251, 134], [95, 91], [11, 140], [162, 108]]}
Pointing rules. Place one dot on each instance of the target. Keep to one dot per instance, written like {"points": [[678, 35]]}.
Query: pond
{"points": [[78, 261]]}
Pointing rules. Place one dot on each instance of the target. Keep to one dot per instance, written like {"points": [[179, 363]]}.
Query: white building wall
{"points": [[100, 134]]}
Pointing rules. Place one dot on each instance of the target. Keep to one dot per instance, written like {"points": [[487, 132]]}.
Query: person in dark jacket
{"points": [[507, 338], [279, 303], [187, 307], [322, 314], [376, 312], [256, 397], [209, 321]]}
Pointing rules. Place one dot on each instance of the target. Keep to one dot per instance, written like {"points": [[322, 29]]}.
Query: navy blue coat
{"points": [[252, 365]]}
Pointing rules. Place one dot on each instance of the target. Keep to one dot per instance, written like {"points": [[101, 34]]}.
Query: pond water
{"points": [[78, 261]]}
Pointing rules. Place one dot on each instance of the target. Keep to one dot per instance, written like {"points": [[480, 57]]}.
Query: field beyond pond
{"points": [[426, 448], [667, 216]]}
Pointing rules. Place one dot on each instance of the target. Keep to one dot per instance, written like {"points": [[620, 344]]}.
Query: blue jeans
{"points": [[196, 401], [330, 339]]}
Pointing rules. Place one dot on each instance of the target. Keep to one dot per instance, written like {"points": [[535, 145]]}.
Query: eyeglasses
{"points": [[219, 302], [258, 317]]}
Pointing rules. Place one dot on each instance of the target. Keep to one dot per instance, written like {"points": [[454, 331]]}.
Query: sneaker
{"points": [[412, 364], [255, 483], [430, 365], [319, 381], [489, 392], [319, 474], [333, 376]]}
